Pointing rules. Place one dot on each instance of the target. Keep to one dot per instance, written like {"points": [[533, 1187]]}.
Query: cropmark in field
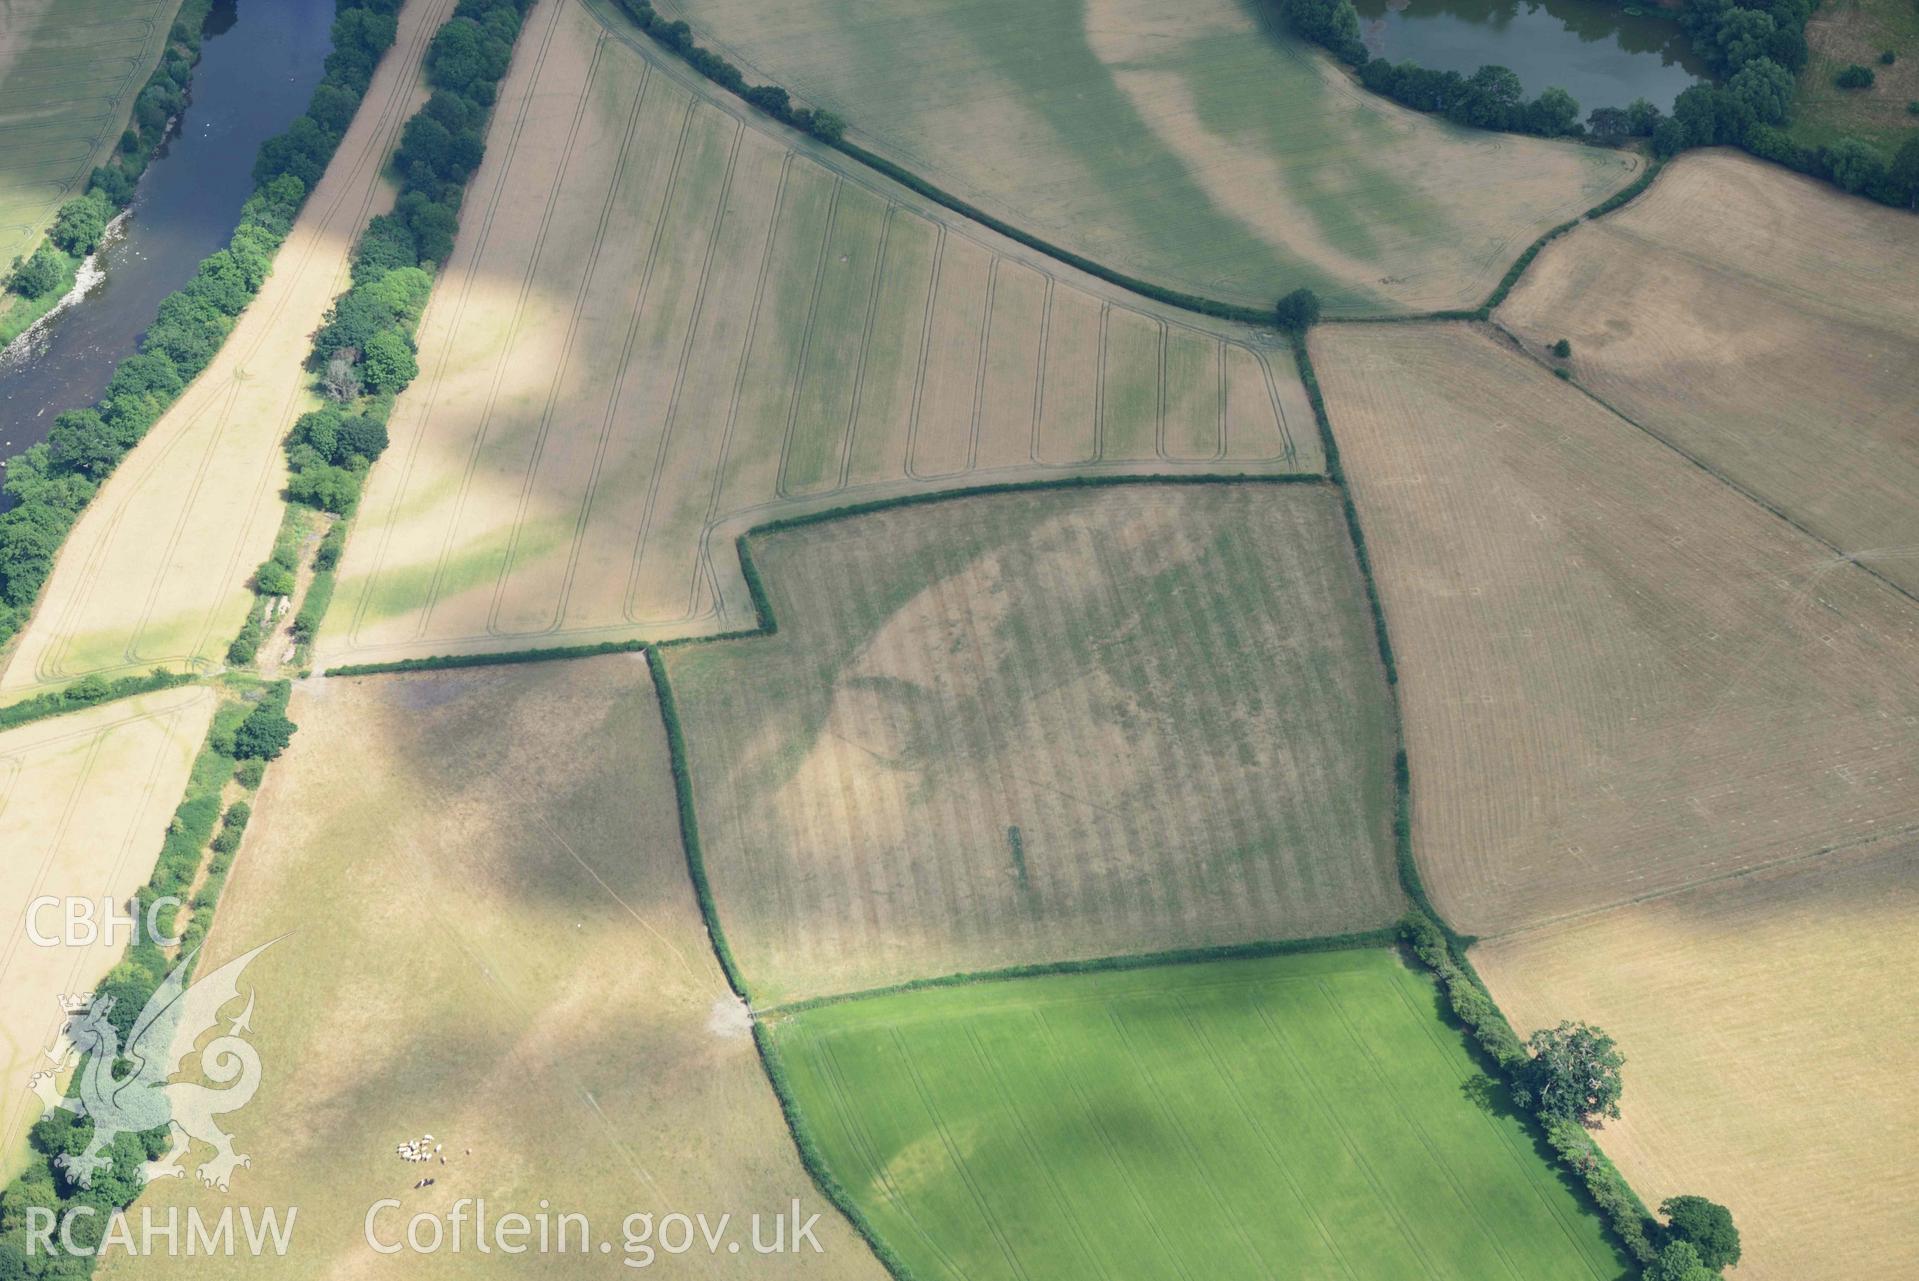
{"points": [[667, 319], [69, 71], [1771, 1047], [1197, 146], [1297, 1116], [486, 934], [84, 803], [155, 572], [1032, 726], [1765, 324], [1618, 675]]}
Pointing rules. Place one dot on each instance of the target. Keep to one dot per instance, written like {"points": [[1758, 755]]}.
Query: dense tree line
{"points": [[771, 99], [364, 353], [1755, 49], [51, 483], [1490, 98]]}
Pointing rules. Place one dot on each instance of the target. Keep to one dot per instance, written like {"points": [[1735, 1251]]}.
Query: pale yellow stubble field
{"points": [[1618, 675], [1766, 324], [1771, 1044]]}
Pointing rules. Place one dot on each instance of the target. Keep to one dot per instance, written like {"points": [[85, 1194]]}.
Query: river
{"points": [[259, 62], [1602, 53]]}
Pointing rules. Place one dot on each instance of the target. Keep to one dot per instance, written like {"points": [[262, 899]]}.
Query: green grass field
{"points": [[1297, 1116], [1196, 146], [68, 75], [1037, 726], [1843, 32]]}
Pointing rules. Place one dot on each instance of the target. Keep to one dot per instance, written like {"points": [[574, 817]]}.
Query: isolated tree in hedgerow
{"points": [[1705, 1225], [1298, 311], [1679, 1261], [1573, 1073]]}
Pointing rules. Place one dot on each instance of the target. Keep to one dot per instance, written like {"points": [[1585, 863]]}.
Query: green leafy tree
{"points": [[1298, 311], [1904, 174], [78, 226], [1765, 87], [39, 275], [1705, 1225], [1855, 165], [1679, 1261], [266, 731], [1854, 77], [1574, 1073], [388, 363]]}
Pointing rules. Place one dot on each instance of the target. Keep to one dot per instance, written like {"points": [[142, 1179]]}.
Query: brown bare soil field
{"points": [[486, 933], [155, 574], [84, 804], [1771, 1044], [1765, 324], [1619, 676], [1037, 726], [667, 319], [1201, 146]]}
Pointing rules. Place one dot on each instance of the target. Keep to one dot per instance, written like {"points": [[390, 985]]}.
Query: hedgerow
{"points": [[1474, 1006], [86, 692], [50, 484]]}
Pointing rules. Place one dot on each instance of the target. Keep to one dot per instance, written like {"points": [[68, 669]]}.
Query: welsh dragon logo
{"points": [[142, 1094]]}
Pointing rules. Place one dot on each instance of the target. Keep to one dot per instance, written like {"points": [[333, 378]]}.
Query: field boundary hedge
{"points": [[1354, 941], [765, 623], [88, 691], [706, 63], [814, 1161], [1467, 996]]}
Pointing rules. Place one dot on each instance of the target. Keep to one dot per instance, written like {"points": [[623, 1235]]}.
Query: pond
{"points": [[1603, 54], [259, 62]]}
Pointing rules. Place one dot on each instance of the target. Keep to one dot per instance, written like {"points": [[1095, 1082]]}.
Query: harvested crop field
{"points": [[486, 933], [84, 803], [1033, 726], [1618, 675], [1296, 1116], [1771, 1046], [69, 72], [666, 320], [155, 573], [1198, 147], [1765, 324]]}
